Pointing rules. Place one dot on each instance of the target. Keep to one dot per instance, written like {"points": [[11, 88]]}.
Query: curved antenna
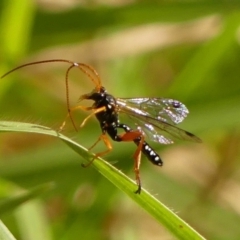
{"points": [[82, 66], [97, 80], [35, 63], [86, 69], [67, 97]]}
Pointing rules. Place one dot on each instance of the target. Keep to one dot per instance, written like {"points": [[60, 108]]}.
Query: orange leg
{"points": [[137, 162], [107, 143], [131, 136], [95, 111], [69, 115]]}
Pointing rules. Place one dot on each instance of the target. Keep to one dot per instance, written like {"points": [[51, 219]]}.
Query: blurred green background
{"points": [[185, 50]]}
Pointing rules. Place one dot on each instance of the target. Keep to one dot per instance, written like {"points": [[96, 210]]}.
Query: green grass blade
{"points": [[161, 213], [5, 233], [15, 29], [32, 221], [15, 24], [205, 60], [10, 203]]}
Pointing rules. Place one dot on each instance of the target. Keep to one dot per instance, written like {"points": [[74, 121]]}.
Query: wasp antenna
{"points": [[82, 66], [88, 70], [35, 63], [67, 94]]}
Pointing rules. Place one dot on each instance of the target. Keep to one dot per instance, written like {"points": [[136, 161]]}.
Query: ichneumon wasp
{"points": [[155, 117]]}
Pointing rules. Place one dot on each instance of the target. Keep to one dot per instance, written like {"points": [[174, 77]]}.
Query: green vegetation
{"points": [[184, 50]]}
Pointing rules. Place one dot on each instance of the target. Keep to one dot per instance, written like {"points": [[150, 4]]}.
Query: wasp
{"points": [[155, 117]]}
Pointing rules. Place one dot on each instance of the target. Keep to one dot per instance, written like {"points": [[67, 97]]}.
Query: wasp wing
{"points": [[157, 117]]}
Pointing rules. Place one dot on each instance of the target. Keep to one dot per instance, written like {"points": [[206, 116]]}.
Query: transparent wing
{"points": [[157, 117], [164, 109]]}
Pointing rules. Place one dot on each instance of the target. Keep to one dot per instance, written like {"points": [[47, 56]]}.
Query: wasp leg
{"points": [[85, 120], [137, 162], [69, 115], [107, 143], [131, 136], [95, 111]]}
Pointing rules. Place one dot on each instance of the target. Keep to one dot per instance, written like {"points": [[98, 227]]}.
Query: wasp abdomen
{"points": [[151, 154], [146, 149]]}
